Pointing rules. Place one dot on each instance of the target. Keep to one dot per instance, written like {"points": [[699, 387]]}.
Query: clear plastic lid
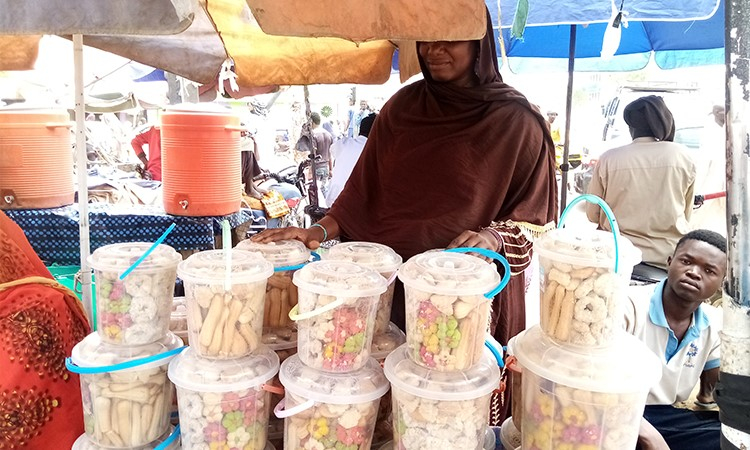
{"points": [[449, 273], [361, 386], [281, 253], [84, 443], [625, 366], [583, 246], [210, 267], [339, 279], [378, 257], [384, 343], [420, 381], [190, 371], [92, 352], [118, 257]]}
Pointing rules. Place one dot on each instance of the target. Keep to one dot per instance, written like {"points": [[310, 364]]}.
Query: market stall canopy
{"points": [[415, 20], [672, 44], [227, 29], [90, 17], [18, 52], [567, 12]]}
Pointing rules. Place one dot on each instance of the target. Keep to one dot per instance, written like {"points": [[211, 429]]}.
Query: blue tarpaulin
{"points": [[673, 43]]}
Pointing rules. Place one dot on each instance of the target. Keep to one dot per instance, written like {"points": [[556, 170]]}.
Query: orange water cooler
{"points": [[36, 159], [201, 164]]}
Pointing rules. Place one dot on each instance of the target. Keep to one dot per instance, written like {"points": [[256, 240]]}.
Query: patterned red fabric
{"points": [[40, 401]]}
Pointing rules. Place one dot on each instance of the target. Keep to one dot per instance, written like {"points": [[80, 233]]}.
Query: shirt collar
{"points": [[657, 316], [644, 139]]}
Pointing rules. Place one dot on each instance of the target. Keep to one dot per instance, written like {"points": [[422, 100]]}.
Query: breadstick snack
{"points": [[576, 397], [225, 307], [130, 407], [135, 310], [224, 403], [336, 314], [447, 313], [281, 293], [581, 294], [330, 410], [374, 256], [440, 410]]}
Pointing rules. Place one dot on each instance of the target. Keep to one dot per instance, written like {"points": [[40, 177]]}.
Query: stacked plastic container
{"points": [[222, 380], [388, 337], [127, 396], [279, 331], [332, 385], [442, 378], [585, 380]]}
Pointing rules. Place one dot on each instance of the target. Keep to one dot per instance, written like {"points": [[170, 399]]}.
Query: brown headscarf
{"points": [[650, 117], [442, 159]]}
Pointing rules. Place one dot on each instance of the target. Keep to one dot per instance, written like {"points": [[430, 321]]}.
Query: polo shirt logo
{"points": [[691, 353]]}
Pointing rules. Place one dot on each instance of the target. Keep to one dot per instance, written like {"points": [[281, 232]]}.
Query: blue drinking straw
{"points": [[148, 252]]}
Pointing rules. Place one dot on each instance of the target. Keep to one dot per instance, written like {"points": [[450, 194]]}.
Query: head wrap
{"points": [[649, 117]]}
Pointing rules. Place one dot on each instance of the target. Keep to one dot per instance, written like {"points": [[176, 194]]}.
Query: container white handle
{"points": [[315, 312], [282, 413]]}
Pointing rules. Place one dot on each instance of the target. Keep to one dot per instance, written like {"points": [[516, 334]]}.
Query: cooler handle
{"points": [[58, 125], [235, 128], [282, 413]]}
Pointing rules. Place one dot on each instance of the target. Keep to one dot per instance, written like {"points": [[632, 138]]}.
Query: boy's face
{"points": [[696, 270]]}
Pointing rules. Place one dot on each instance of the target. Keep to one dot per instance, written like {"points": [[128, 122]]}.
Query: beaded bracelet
{"points": [[325, 232]]}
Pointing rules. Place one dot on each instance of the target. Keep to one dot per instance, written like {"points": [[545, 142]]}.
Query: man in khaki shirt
{"points": [[648, 183]]}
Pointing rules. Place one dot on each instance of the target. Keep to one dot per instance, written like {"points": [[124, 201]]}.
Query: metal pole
{"points": [[82, 167], [733, 390], [568, 109]]}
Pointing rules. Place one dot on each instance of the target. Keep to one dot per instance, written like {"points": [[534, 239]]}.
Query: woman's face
{"points": [[450, 62]]}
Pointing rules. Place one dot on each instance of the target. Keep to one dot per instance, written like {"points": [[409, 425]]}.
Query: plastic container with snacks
{"points": [[433, 409], [283, 349], [516, 378], [126, 394], [336, 314], [329, 410], [380, 258], [382, 346], [281, 294], [581, 294], [136, 309], [384, 343], [489, 442], [576, 397], [510, 436], [224, 403], [224, 294], [178, 319], [446, 310], [84, 443]]}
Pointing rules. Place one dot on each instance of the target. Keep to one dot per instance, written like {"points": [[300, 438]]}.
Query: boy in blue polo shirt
{"points": [[683, 331]]}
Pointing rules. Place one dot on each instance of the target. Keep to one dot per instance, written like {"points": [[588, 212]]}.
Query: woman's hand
{"points": [[482, 239], [311, 237]]}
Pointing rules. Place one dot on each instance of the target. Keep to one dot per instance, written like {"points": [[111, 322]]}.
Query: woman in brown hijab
{"points": [[459, 159]]}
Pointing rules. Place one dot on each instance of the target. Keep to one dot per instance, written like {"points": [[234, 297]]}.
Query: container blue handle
{"points": [[490, 254], [170, 439], [73, 367], [315, 257], [607, 212], [496, 349]]}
